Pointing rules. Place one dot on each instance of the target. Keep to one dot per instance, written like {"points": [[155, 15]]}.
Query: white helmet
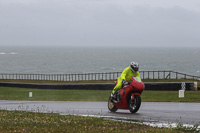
{"points": [[134, 66]]}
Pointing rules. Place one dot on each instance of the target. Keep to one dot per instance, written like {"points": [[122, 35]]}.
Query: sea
{"points": [[79, 60]]}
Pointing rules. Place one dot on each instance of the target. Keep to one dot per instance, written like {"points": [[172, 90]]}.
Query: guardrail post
{"points": [[153, 74], [164, 75], [143, 74]]}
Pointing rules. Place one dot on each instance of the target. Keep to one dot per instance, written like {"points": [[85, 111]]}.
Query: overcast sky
{"points": [[100, 22]]}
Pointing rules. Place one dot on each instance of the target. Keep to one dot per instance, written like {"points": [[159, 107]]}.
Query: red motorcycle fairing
{"points": [[135, 88]]}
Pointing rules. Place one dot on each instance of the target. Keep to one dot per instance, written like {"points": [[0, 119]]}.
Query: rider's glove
{"points": [[124, 82]]}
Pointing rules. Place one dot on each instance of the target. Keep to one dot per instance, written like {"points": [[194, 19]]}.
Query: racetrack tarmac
{"points": [[185, 113]]}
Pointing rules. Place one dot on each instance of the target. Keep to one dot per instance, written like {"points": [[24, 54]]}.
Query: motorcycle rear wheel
{"points": [[135, 104], [111, 105]]}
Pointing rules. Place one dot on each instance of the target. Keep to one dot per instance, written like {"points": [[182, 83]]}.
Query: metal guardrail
{"points": [[99, 76]]}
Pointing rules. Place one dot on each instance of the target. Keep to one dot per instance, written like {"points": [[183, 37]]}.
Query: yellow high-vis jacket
{"points": [[126, 74]]}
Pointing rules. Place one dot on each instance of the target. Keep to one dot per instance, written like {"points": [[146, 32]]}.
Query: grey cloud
{"points": [[97, 23]]}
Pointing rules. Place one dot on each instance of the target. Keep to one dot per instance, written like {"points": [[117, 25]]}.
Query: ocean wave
{"points": [[108, 68], [13, 53], [9, 53]]}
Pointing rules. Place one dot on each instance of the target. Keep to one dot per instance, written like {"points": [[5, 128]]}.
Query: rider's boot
{"points": [[113, 96]]}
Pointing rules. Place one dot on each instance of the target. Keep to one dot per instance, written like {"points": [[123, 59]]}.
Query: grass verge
{"points": [[11, 93], [20, 121]]}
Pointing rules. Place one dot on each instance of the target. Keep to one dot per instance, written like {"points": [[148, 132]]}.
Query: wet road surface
{"points": [[186, 113]]}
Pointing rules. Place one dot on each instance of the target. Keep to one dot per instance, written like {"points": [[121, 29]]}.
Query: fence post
{"points": [[164, 75], [153, 74], [78, 77], [143, 74]]}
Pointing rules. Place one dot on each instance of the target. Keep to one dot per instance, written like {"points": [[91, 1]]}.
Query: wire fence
{"points": [[98, 76]]}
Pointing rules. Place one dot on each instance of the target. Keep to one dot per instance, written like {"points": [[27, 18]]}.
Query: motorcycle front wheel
{"points": [[135, 104], [111, 105]]}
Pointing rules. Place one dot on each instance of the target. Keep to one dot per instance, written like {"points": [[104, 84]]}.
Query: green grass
{"points": [[170, 96], [11, 93], [20, 121]]}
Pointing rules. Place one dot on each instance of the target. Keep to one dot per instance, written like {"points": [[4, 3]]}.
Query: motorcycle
{"points": [[128, 97]]}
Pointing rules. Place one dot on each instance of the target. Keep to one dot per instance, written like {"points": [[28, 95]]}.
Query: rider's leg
{"points": [[118, 86]]}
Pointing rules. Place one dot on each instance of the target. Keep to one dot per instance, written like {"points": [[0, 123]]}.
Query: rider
{"points": [[131, 71]]}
